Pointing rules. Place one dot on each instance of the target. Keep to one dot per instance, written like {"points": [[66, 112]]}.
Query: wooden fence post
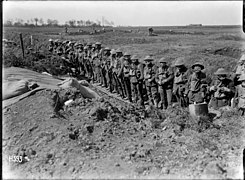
{"points": [[22, 46]]}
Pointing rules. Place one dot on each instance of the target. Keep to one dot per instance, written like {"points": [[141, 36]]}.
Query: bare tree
{"points": [[78, 23], [82, 22], [36, 20], [72, 23], [41, 22], [9, 22]]}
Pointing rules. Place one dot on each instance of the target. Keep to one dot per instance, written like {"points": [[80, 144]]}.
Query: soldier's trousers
{"points": [[109, 80], [152, 94], [137, 92], [182, 100], [119, 85], [104, 80], [166, 96], [127, 86], [97, 74]]}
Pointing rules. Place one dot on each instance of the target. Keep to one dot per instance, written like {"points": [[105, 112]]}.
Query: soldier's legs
{"points": [[134, 92], [162, 98], [101, 76], [110, 81], [140, 93], [149, 95], [122, 82], [169, 97], [116, 83], [128, 88], [154, 93], [121, 87]]}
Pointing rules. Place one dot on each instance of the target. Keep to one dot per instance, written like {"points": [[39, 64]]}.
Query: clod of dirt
{"points": [[100, 114], [90, 128]]}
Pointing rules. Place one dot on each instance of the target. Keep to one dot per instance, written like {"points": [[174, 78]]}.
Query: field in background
{"points": [[214, 45]]}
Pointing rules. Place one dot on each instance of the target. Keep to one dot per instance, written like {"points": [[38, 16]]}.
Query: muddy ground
{"points": [[108, 138]]}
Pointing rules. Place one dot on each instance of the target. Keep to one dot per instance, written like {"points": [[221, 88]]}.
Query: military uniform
{"points": [[164, 77], [151, 85], [196, 86], [136, 79], [180, 81], [126, 79], [240, 95], [222, 90]]}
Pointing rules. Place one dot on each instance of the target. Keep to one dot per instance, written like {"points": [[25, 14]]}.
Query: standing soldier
{"points": [[126, 79], [180, 80], [196, 86], [118, 71], [100, 65], [164, 78], [222, 90], [107, 69], [112, 68], [240, 95], [149, 77], [136, 79], [51, 45], [240, 69]]}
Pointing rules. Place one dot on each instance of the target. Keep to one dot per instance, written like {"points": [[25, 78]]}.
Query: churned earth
{"points": [[108, 138]]}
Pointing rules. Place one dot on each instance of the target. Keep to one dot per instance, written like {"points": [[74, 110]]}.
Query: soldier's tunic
{"points": [[113, 75], [164, 77], [97, 65], [120, 78], [221, 93], [151, 85], [241, 96], [136, 79], [195, 87], [179, 87]]}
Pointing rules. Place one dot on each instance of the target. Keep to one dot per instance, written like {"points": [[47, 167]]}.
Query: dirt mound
{"points": [[171, 32], [106, 137], [226, 51]]}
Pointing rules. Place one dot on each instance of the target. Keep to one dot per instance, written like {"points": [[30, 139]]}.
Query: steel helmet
{"points": [[198, 64], [221, 71], [179, 61]]}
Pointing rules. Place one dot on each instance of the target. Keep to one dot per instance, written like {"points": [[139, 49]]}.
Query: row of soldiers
{"points": [[148, 82]]}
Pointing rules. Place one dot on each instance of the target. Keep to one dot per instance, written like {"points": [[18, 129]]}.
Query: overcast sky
{"points": [[132, 13]]}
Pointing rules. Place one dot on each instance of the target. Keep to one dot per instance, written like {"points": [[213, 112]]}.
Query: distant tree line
{"points": [[39, 22]]}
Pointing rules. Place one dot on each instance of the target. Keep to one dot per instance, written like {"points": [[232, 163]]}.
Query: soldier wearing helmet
{"points": [[197, 84], [136, 79], [127, 57], [106, 69], [112, 68], [126, 79], [118, 67], [222, 89], [240, 95], [164, 78], [180, 80], [51, 45], [239, 70], [150, 82]]}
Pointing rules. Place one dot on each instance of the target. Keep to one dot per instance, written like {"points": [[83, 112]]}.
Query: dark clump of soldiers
{"points": [[143, 81]]}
